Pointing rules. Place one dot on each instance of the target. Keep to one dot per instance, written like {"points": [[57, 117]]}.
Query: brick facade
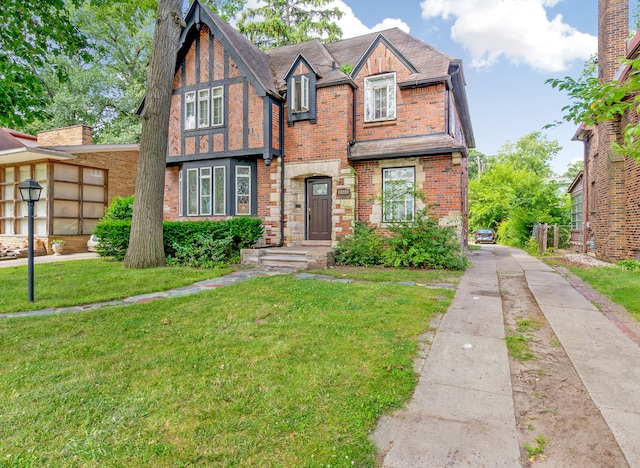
{"points": [[291, 146], [611, 189]]}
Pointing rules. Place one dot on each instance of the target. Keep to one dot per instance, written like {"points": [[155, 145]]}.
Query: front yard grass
{"points": [[270, 372], [76, 282], [619, 285], [385, 274]]}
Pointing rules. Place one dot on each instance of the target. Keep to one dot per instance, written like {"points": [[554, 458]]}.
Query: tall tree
{"points": [[105, 91], [532, 152], [282, 22], [146, 247], [226, 9], [33, 32], [573, 169]]}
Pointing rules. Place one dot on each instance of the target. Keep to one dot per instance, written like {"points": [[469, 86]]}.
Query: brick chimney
{"points": [[613, 31], [68, 136]]}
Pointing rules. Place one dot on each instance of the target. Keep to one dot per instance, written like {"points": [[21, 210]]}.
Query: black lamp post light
{"points": [[30, 192]]}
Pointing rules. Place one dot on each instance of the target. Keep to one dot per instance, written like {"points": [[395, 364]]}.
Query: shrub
{"points": [[121, 208], [114, 238], [245, 231], [423, 243], [362, 248], [629, 265], [207, 252]]}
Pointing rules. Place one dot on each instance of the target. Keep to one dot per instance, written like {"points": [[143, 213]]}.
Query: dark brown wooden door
{"points": [[319, 209]]}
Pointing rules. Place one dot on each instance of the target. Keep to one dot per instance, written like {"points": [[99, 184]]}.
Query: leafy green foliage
{"points": [[593, 102], [629, 265], [364, 247], [33, 34], [537, 449], [423, 243], [207, 252], [121, 208], [280, 22], [226, 9], [515, 193], [573, 169], [114, 238]]}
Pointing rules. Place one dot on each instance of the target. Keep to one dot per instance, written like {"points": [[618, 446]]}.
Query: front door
{"points": [[319, 209]]}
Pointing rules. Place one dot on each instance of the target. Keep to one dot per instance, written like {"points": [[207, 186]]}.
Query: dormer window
{"points": [[300, 94], [380, 97]]}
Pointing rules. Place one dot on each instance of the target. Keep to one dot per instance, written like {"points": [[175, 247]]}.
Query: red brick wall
{"points": [[256, 119], [171, 184]]}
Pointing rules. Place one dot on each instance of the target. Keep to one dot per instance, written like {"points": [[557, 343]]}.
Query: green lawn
{"points": [[271, 372], [383, 274], [619, 285], [77, 282]]}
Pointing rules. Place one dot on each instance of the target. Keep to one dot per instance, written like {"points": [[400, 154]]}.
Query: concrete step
{"points": [[299, 265]]}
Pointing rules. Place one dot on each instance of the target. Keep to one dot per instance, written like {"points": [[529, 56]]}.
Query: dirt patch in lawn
{"points": [[556, 417]]}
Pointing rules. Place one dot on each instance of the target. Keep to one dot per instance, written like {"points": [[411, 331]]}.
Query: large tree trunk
{"points": [[146, 248]]}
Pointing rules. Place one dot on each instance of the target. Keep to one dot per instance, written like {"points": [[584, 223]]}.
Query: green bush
{"points": [[245, 231], [362, 248], [423, 243], [121, 208], [114, 238], [629, 265], [207, 252]]}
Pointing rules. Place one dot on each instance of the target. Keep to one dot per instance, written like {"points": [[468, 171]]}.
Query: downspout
{"points": [[464, 233]]}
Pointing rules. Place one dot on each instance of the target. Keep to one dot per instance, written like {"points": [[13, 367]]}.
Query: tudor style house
{"points": [[309, 136]]}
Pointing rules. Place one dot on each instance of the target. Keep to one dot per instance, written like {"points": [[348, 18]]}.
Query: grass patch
{"points": [[518, 347], [76, 282], [619, 285], [269, 372], [394, 275], [536, 449], [527, 325]]}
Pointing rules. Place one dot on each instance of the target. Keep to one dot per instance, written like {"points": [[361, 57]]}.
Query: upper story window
{"points": [[209, 111], [380, 97], [398, 194], [190, 110], [300, 94]]}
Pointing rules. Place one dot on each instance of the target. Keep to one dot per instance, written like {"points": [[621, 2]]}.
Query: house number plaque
{"points": [[344, 193]]}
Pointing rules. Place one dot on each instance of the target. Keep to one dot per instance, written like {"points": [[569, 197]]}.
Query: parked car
{"points": [[92, 243], [485, 235]]}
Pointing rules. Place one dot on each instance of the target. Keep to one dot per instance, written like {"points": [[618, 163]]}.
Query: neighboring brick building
{"points": [[79, 180], [308, 136], [611, 182]]}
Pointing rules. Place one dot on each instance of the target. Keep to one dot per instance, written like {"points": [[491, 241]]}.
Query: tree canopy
{"points": [[34, 34], [515, 191], [282, 22]]}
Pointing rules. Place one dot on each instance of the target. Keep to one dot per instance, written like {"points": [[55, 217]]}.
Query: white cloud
{"points": [[519, 30], [351, 26]]}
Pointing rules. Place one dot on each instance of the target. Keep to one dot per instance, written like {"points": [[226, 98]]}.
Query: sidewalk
{"points": [[462, 412], [47, 259]]}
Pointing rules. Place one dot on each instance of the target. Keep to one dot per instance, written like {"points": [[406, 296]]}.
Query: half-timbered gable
{"points": [[309, 136]]}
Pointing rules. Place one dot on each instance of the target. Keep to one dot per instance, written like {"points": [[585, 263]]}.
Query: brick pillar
{"points": [[609, 226]]}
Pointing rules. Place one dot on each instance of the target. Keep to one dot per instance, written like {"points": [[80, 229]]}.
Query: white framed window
{"points": [[180, 187], [190, 110], [380, 97], [203, 108], [398, 185], [243, 190], [217, 106], [219, 191], [300, 94], [205, 191], [192, 192], [576, 212]]}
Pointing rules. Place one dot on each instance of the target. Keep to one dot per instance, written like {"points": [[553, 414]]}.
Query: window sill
{"points": [[380, 123]]}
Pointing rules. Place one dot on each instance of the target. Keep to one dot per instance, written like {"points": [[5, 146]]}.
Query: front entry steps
{"points": [[300, 258]]}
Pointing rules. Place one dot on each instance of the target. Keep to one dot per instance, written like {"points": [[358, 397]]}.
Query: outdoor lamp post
{"points": [[30, 192]]}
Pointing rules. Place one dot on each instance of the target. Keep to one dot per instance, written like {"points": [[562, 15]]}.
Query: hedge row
{"points": [[182, 236]]}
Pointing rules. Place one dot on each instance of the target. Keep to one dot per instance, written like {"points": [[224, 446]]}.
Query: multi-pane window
{"points": [[380, 97], [219, 191], [192, 192], [205, 191], [243, 190], [203, 108], [576, 212], [190, 110], [300, 94], [398, 194], [205, 111], [217, 106]]}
